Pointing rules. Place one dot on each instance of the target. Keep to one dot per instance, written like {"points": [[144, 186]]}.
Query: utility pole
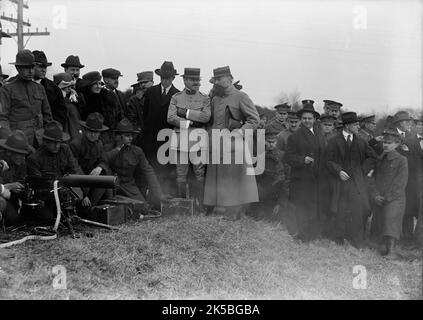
{"points": [[20, 23]]}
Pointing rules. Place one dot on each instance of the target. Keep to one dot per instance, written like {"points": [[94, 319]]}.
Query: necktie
{"points": [[164, 92], [349, 142]]}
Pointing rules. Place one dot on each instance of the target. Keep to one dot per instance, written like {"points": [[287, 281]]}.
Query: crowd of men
{"points": [[331, 170]]}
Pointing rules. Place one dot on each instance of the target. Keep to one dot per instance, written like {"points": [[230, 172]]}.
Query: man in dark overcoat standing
{"points": [[306, 155], [349, 160], [156, 105]]}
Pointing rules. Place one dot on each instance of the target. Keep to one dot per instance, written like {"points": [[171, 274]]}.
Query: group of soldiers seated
{"points": [[330, 169]]}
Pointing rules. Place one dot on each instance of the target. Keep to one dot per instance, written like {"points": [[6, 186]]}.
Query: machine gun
{"points": [[38, 189]]}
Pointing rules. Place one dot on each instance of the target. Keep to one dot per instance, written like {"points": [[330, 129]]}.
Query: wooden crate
{"points": [[108, 214]]}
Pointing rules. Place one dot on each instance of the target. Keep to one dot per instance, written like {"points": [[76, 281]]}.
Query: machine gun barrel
{"points": [[83, 181]]}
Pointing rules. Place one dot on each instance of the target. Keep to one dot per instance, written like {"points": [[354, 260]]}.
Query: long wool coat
{"points": [[229, 184]]}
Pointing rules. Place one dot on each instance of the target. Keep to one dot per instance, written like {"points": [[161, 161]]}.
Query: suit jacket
{"points": [[56, 101], [362, 158], [155, 118]]}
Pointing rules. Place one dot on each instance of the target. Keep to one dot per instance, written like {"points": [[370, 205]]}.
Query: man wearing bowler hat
{"points": [[305, 153], [279, 122], [23, 103], [73, 66], [13, 151], [111, 80], [189, 109], [135, 106], [229, 187], [157, 100], [52, 160], [349, 160], [410, 148], [54, 94]]}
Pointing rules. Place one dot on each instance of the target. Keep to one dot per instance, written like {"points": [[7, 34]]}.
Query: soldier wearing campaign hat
{"points": [[135, 106], [24, 103]]}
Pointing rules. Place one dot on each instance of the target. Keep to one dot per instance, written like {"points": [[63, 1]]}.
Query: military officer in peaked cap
{"points": [[279, 122]]}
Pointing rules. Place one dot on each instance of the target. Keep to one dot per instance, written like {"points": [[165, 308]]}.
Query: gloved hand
{"points": [[181, 112]]}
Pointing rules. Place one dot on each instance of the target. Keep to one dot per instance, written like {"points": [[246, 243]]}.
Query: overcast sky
{"points": [[365, 54]]}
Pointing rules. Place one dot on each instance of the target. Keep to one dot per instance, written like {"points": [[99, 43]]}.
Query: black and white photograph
{"points": [[211, 155]]}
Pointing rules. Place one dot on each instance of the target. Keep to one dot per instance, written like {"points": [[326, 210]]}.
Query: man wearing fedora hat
{"points": [[88, 151], [157, 100], [350, 160], [305, 153], [189, 109], [129, 163], [52, 160], [135, 106], [3, 77], [410, 148], [73, 66], [228, 187], [279, 122], [24, 103], [13, 151]]}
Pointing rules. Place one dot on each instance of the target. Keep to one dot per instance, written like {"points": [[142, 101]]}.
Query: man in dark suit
{"points": [[111, 81], [54, 94], [412, 150], [349, 160], [305, 154], [156, 105]]}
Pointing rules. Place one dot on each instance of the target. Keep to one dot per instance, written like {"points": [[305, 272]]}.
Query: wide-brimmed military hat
{"points": [[94, 122], [349, 117], [40, 58], [192, 73], [63, 80], [125, 126], [90, 78], [308, 108], [16, 142], [327, 118], [401, 116], [53, 131], [72, 61], [391, 133], [111, 73], [24, 58], [166, 70]]}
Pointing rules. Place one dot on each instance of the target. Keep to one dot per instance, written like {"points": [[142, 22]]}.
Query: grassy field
{"points": [[201, 258]]}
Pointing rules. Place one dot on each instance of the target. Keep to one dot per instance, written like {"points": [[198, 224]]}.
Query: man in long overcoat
{"points": [[349, 160], [306, 155], [156, 106], [228, 186]]}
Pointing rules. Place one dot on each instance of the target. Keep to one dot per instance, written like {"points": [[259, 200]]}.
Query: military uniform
{"points": [[198, 111], [24, 105], [129, 164], [276, 125]]}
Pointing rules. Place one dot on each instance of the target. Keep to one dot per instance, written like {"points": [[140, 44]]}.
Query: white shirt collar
{"points": [[346, 134], [401, 132], [312, 131], [163, 88]]}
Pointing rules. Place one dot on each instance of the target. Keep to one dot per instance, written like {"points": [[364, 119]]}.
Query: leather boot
{"points": [[182, 190], [198, 196], [389, 246]]}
